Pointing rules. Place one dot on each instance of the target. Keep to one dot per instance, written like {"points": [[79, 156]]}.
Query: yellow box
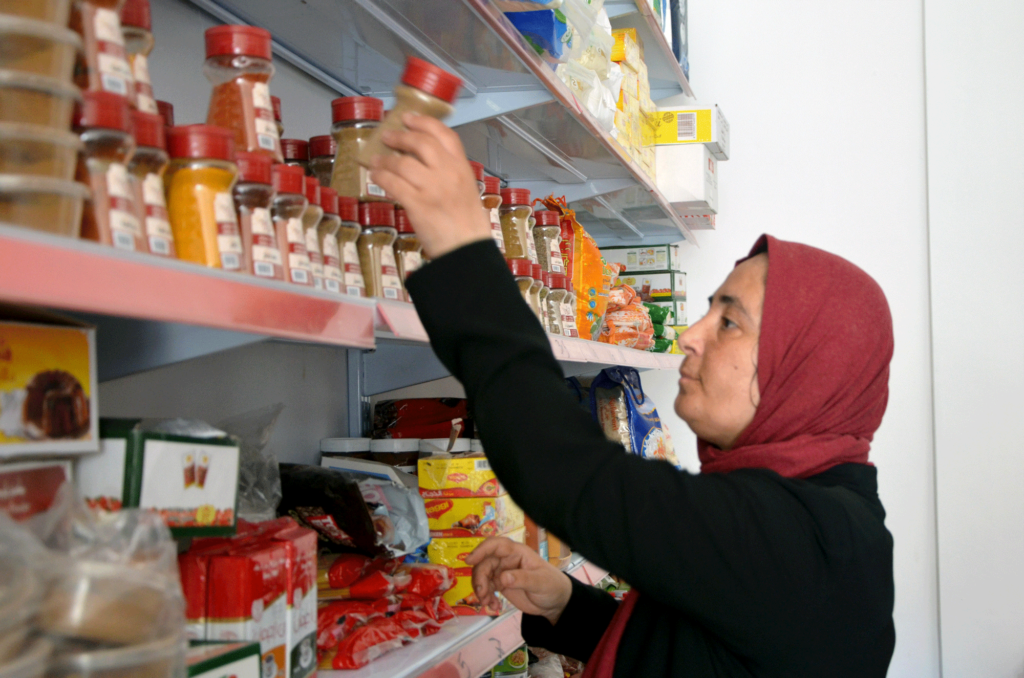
{"points": [[48, 384], [473, 516], [630, 86], [647, 106], [627, 49], [621, 121], [646, 133], [698, 125], [452, 552], [443, 476]]}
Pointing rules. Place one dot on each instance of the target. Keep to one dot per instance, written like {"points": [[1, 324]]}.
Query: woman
{"points": [[775, 560]]}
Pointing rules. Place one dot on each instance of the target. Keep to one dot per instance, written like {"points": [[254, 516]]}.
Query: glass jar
{"points": [[238, 65], [515, 213], [353, 283], [547, 236], [535, 288], [137, 28], [327, 234], [198, 184], [424, 89], [377, 252], [522, 271], [322, 150], [296, 152], [542, 297], [491, 200], [408, 250], [254, 198], [556, 281], [275, 103], [146, 170], [166, 111], [287, 209], [110, 215], [354, 119], [310, 223], [345, 448], [401, 453], [103, 63], [569, 310]]}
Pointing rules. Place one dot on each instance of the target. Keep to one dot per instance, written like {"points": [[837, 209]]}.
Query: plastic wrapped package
{"points": [[420, 418], [580, 15], [546, 31], [31, 662], [23, 563], [339, 571], [368, 642], [597, 53], [259, 481], [335, 620], [548, 667], [627, 416]]}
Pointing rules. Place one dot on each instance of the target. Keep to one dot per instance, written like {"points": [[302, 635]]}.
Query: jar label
{"points": [[555, 256], [569, 320], [158, 229], [391, 284], [411, 261], [299, 268], [355, 286], [372, 188], [316, 259], [144, 99], [261, 223], [229, 242], [332, 265], [261, 97], [153, 191], [265, 125], [118, 184], [531, 248], [111, 60], [296, 236], [499, 237], [107, 25]]}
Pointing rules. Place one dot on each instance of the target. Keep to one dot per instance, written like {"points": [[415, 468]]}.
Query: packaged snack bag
{"points": [[627, 415]]}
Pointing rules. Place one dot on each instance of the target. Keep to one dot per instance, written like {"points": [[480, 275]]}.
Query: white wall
{"points": [[975, 61], [826, 107]]}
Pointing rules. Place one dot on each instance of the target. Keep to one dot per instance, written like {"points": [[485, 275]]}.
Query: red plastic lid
{"points": [[348, 208], [478, 169], [520, 267], [515, 196], [275, 103], [322, 145], [295, 149], [329, 200], [492, 185], [536, 271], [232, 40], [166, 110], [376, 214], [556, 281], [312, 190], [103, 109], [254, 167], [136, 13], [432, 80], [546, 218], [149, 130], [201, 141], [402, 223], [344, 109], [289, 179]]}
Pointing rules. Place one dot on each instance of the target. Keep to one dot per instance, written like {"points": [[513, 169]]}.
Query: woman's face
{"points": [[718, 392]]}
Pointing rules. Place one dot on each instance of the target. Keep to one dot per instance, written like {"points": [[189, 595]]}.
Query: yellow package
{"points": [[628, 49], [443, 476], [646, 132], [452, 552], [473, 516]]}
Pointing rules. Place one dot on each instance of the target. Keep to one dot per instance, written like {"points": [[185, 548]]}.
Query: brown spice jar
{"points": [[322, 150], [515, 213], [254, 196], [310, 223], [147, 168], [353, 281], [491, 201], [376, 251], [408, 249], [354, 120], [327, 234], [99, 24], [288, 207]]}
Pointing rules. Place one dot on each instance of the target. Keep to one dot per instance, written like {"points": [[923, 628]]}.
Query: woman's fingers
{"points": [[407, 167], [397, 187], [425, 147], [499, 546]]}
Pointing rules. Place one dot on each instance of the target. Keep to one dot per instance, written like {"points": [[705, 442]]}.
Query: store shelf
{"points": [[663, 71], [40, 269], [586, 572]]}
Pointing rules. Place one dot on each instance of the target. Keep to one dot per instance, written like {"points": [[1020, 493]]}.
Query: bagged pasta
{"points": [[627, 416]]}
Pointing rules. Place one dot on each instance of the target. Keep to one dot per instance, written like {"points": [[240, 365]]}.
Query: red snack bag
{"points": [[429, 580], [336, 620], [411, 601], [345, 570], [368, 642], [417, 623], [379, 585], [439, 610]]}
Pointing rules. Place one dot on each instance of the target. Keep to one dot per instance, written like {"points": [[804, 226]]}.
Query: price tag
{"points": [[402, 320], [558, 348]]}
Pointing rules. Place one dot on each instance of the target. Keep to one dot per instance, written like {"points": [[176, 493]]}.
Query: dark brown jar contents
{"points": [[322, 150], [327, 233], [288, 207], [377, 252], [147, 176], [254, 197], [353, 283], [354, 120], [103, 64], [408, 250]]}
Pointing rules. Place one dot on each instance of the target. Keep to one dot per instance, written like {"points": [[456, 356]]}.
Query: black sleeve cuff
{"points": [[580, 627]]}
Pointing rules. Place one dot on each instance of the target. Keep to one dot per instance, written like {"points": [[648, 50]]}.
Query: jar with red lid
{"points": [[287, 209], [354, 120], [349, 231], [275, 103], [310, 223], [103, 121], [137, 28], [146, 172], [538, 284], [542, 296], [327, 233], [408, 249], [547, 234], [568, 308], [377, 252], [322, 150], [424, 89], [296, 152], [522, 271], [254, 198], [198, 184], [516, 214], [166, 111], [491, 201], [567, 245], [238, 65], [556, 294], [103, 63]]}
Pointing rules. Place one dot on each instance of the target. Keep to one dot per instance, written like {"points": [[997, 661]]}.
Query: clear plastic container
{"points": [[34, 150], [327, 233], [310, 224], [254, 197], [146, 169], [39, 47], [198, 184], [54, 11], [354, 121], [164, 658], [21, 592], [296, 152], [353, 282], [547, 236], [556, 295], [408, 250], [137, 27], [377, 252], [288, 208], [238, 65], [522, 271], [424, 89], [535, 288], [491, 201], [103, 66], [542, 297], [569, 328], [42, 204], [37, 100], [515, 214], [322, 150], [348, 448], [31, 662], [402, 453], [111, 217]]}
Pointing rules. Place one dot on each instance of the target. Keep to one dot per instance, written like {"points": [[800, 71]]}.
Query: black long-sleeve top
{"points": [[740, 574]]}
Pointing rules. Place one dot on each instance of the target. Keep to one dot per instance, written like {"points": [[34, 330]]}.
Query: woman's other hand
{"points": [[432, 180], [516, 571]]}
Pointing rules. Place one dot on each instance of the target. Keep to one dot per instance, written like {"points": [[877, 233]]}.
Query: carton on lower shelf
{"points": [[30, 487], [473, 516], [657, 285], [447, 477], [217, 660], [452, 552], [644, 258], [677, 311], [300, 637], [688, 178]]}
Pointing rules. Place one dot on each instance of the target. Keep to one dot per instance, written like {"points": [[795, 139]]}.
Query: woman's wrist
{"points": [[565, 591]]}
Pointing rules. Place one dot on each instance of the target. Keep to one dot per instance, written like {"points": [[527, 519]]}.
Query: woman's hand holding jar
{"points": [[515, 571]]}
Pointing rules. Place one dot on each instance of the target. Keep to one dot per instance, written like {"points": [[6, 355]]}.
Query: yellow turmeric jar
{"points": [[198, 182]]}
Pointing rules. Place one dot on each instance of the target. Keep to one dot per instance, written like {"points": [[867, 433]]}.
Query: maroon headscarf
{"points": [[823, 371]]}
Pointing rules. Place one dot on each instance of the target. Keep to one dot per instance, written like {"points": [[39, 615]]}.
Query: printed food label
{"points": [[124, 228], [267, 255], [118, 184], [298, 258], [153, 190], [158, 228], [372, 188], [296, 236], [144, 99], [261, 222], [111, 61], [316, 260], [555, 257], [107, 26], [569, 321], [190, 484], [332, 265], [229, 242], [355, 286], [390, 283], [531, 248], [261, 97], [265, 126], [496, 229], [224, 208], [266, 133], [411, 261]]}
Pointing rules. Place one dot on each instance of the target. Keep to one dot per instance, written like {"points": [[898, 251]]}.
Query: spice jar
{"points": [[491, 200], [515, 213], [146, 170], [238, 65], [535, 291], [322, 150], [567, 246], [275, 103], [103, 64], [166, 111], [522, 271], [110, 216], [137, 28], [408, 250], [296, 152], [377, 252], [198, 184], [353, 283], [287, 209], [354, 120], [327, 233], [345, 448], [569, 310], [254, 197], [424, 89], [542, 296], [556, 295], [310, 223], [547, 236], [402, 453]]}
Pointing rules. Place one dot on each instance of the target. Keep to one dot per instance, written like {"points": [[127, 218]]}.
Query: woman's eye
{"points": [[728, 324]]}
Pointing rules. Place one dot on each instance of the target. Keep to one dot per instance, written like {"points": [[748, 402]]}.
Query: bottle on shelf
{"points": [[538, 283], [296, 152], [137, 28], [103, 62], [542, 296], [322, 150], [310, 223], [327, 233], [275, 103], [569, 310], [515, 214], [547, 236], [354, 120], [353, 282], [146, 170], [254, 198], [377, 252], [522, 271], [555, 297], [491, 201], [287, 210], [408, 249]]}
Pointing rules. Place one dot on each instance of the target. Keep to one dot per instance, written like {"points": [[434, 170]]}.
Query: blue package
{"points": [[545, 30], [627, 415]]}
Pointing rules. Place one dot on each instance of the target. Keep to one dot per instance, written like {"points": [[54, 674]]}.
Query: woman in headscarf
{"points": [[774, 560]]}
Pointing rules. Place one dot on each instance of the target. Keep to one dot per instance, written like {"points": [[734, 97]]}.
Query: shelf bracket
{"points": [[619, 215], [542, 146]]}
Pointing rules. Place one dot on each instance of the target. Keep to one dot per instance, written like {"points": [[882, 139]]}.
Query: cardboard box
{"points": [[658, 285], [30, 487], [48, 384], [698, 220], [473, 516], [219, 660], [301, 546], [627, 49], [446, 477], [644, 258], [677, 311], [453, 552], [695, 125], [689, 178], [630, 85]]}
